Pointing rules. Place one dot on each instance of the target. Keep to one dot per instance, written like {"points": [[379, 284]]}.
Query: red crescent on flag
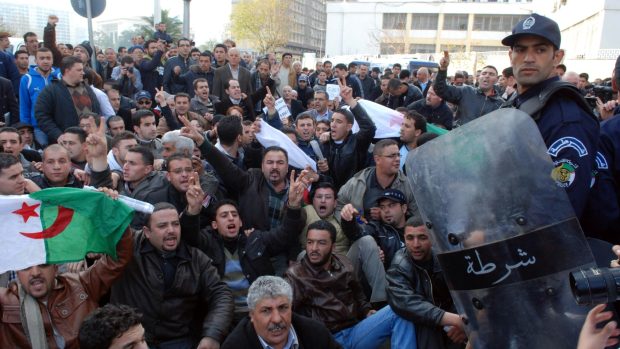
{"points": [[62, 221]]}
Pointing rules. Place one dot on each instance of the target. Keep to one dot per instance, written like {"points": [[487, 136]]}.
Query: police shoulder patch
{"points": [[567, 142], [564, 172]]}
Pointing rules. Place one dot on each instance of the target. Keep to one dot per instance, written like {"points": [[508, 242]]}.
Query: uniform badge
{"points": [[564, 173], [529, 23]]}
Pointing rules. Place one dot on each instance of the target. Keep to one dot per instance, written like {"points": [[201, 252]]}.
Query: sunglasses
{"points": [[146, 101]]}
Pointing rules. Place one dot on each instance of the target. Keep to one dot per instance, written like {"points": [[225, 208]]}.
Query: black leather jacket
{"points": [[386, 236], [420, 297]]}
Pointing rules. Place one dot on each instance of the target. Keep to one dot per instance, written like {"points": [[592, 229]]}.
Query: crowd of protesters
{"points": [[243, 249]]}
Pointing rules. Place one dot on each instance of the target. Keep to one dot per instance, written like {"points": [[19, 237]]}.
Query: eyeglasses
{"points": [[147, 101], [392, 156]]}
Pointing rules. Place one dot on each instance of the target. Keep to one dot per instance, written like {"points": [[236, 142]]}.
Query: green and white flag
{"points": [[58, 225]]}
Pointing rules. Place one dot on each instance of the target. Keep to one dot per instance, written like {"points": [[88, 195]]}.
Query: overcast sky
{"points": [[207, 21]]}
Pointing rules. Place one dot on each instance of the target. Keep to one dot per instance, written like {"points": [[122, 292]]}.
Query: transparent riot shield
{"points": [[505, 234]]}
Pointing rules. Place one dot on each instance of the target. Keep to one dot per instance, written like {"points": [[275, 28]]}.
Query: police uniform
{"points": [[570, 132]]}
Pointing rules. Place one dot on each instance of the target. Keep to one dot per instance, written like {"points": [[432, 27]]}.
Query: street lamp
{"points": [[186, 18]]}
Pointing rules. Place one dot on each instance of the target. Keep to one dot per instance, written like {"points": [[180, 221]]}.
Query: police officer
{"points": [[569, 130]]}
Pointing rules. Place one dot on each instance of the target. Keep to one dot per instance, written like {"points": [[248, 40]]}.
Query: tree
{"points": [[174, 26], [265, 24], [209, 45]]}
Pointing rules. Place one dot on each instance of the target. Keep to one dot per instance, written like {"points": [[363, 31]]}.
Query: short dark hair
{"points": [[419, 121], [120, 49], [195, 49], [195, 83], [127, 60], [27, 35], [507, 72], [274, 148], [177, 156], [160, 206], [397, 65], [8, 129], [206, 53], [68, 63], [181, 94], [7, 160], [228, 129], [405, 73], [322, 224], [42, 49], [137, 117], [303, 116], [352, 65], [382, 144], [585, 76], [394, 84], [458, 75], [323, 185], [347, 114], [490, 66], [20, 52], [287, 54], [183, 39], [146, 153], [88, 115], [561, 66], [124, 135], [341, 66], [105, 324], [77, 131], [221, 203], [221, 46], [414, 222], [148, 42]]}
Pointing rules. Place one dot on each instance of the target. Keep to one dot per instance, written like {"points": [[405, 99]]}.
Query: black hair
{"points": [[273, 148], [137, 117], [146, 153], [7, 160], [228, 129], [326, 226], [323, 185], [68, 63], [105, 324], [77, 131]]}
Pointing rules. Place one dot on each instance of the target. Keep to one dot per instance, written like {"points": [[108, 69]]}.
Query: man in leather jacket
{"points": [[418, 292]]}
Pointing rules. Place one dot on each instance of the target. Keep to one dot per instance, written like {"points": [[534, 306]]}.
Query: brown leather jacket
{"points": [[73, 297], [334, 296]]}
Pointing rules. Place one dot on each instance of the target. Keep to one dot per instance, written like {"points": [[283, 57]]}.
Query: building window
{"points": [[488, 48], [392, 48], [455, 22], [500, 23], [422, 48], [452, 48], [394, 20], [424, 21]]}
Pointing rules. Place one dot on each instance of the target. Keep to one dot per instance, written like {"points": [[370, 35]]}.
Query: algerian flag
{"points": [[59, 225], [388, 120], [270, 136]]}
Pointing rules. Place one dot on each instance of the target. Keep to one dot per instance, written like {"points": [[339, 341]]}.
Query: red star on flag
{"points": [[27, 211]]}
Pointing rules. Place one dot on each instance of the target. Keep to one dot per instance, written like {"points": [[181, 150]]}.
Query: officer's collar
{"points": [[534, 90]]}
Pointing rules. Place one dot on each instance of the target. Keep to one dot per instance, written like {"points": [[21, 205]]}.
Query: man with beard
{"points": [[242, 254], [272, 323], [434, 109], [176, 287], [31, 85], [264, 75], [325, 288], [472, 102]]}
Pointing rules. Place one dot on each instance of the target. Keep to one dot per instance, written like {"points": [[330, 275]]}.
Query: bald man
{"points": [[232, 70]]}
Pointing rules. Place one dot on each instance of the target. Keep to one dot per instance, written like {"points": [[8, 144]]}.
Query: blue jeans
{"points": [[373, 331]]}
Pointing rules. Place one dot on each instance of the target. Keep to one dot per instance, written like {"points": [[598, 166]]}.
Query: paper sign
{"points": [[333, 91], [282, 108]]}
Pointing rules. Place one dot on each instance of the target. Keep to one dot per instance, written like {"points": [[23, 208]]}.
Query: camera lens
{"points": [[594, 286]]}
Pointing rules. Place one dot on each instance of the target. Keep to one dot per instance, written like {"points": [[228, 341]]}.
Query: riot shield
{"points": [[505, 234]]}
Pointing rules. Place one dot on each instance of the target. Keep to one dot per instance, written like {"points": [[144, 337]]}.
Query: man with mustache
{"points": [[472, 102], [272, 323], [175, 286], [60, 301], [567, 125]]}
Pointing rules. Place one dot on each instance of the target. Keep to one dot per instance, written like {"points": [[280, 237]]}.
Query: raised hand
{"points": [[346, 93], [349, 212], [269, 101], [190, 131], [160, 96], [444, 61], [296, 188], [194, 195], [275, 69], [97, 143]]}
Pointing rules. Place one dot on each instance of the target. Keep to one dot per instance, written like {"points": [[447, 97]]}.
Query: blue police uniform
{"points": [[602, 216], [571, 135]]}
